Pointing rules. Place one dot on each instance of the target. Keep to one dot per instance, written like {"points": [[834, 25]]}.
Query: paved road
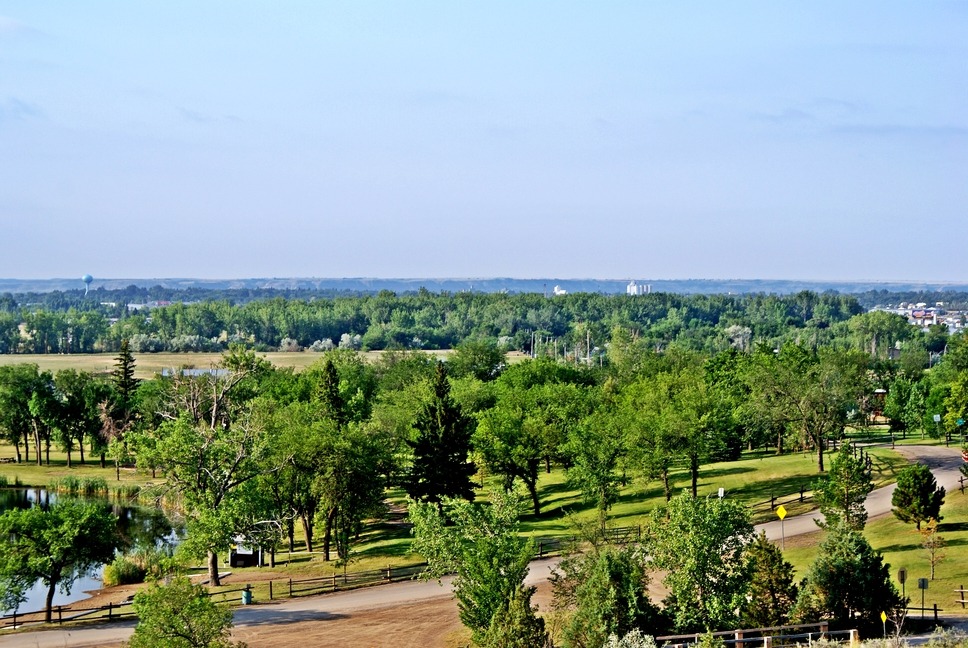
{"points": [[944, 463]]}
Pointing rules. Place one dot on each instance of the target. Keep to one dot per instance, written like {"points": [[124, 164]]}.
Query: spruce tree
{"points": [[918, 497], [440, 465], [772, 592], [124, 381]]}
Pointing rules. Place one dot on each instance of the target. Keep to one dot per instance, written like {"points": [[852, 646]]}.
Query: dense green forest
{"points": [[575, 324]]}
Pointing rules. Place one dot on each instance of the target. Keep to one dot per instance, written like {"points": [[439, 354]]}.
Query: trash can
{"points": [[247, 595]]}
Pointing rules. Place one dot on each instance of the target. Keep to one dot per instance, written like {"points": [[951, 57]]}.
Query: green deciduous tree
{"points": [[180, 615], [806, 391], [516, 625], [482, 546], [841, 495], [596, 448], [606, 593], [53, 546], [701, 542], [510, 443], [917, 496], [208, 467]]}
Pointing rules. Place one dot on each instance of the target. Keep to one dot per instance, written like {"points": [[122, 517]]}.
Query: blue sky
{"points": [[647, 140]]}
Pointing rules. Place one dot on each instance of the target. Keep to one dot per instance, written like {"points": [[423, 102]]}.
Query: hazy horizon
{"points": [[814, 142]]}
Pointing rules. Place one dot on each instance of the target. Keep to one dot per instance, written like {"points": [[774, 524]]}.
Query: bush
{"points": [[141, 343], [123, 571], [321, 346], [289, 345]]}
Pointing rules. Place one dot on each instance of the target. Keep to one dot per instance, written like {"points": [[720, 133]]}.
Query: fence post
{"points": [[290, 588], [936, 613], [270, 590], [334, 582], [854, 638], [60, 618], [767, 641], [109, 610], [772, 502], [540, 550], [801, 493]]}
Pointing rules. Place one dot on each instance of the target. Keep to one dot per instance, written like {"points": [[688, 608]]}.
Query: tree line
{"points": [[567, 324]]}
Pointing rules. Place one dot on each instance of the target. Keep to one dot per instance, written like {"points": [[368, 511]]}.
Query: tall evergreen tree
{"points": [[849, 582], [772, 592], [842, 494], [917, 497], [440, 465], [125, 384]]}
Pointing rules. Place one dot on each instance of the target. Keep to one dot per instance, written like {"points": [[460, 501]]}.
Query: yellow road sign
{"points": [[883, 617], [780, 511]]}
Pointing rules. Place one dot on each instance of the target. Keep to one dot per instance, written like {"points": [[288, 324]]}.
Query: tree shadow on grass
{"points": [[722, 472], [951, 527]]}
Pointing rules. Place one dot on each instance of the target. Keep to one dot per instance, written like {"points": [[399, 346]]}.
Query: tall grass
{"points": [[79, 487]]}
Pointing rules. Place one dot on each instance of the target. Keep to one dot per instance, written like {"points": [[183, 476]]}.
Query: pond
{"points": [[138, 526]]}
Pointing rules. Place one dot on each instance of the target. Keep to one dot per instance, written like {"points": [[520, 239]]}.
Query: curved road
{"points": [[944, 464]]}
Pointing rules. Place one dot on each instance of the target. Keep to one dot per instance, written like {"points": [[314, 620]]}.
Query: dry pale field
{"points": [[149, 364]]}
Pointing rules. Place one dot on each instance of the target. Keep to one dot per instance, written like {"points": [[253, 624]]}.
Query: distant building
{"points": [[558, 290], [638, 289]]}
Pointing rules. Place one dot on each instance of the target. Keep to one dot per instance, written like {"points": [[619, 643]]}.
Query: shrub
{"points": [[289, 345], [320, 346], [122, 571]]}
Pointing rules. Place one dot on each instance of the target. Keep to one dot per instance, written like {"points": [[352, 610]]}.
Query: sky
{"points": [[641, 140]]}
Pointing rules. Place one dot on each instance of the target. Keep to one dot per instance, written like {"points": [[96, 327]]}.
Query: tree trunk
{"points": [[307, 525], [291, 531], [102, 460], [820, 449], [328, 534], [37, 443], [666, 484], [69, 465], [694, 470], [213, 577], [49, 605], [532, 485], [80, 447]]}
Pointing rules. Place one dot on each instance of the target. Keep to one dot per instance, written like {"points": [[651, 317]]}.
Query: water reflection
{"points": [[139, 527]]}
